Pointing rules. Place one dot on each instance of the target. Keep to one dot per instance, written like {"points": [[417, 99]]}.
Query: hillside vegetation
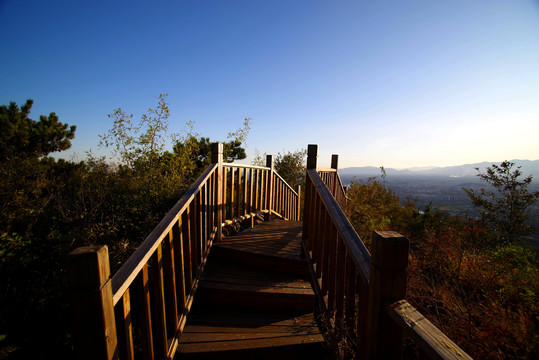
{"points": [[476, 283], [50, 207]]}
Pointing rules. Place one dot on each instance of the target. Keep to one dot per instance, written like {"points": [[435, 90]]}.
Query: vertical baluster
{"points": [[171, 294], [202, 211], [362, 309], [264, 190], [206, 214], [326, 250], [180, 267], [350, 293], [312, 218], [194, 237], [307, 210], [238, 194], [226, 201], [245, 191], [332, 255], [232, 191], [124, 327], [339, 280], [298, 204], [318, 235], [200, 227], [283, 204], [187, 234], [269, 197], [257, 190], [146, 315], [159, 293], [320, 230], [252, 194]]}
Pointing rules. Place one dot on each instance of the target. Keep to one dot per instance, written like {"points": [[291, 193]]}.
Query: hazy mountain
{"points": [[529, 167]]}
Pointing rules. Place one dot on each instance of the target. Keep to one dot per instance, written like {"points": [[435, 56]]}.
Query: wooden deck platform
{"points": [[254, 299]]}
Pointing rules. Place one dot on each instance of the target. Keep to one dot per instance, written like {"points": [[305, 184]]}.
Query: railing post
{"points": [[312, 155], [334, 165], [387, 283], [91, 303], [269, 163], [217, 158]]}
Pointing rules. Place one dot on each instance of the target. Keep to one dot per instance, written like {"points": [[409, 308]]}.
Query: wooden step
{"points": [[241, 286], [225, 333], [254, 300], [273, 245]]}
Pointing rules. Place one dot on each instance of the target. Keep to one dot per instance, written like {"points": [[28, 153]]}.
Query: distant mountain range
{"points": [[528, 167]]}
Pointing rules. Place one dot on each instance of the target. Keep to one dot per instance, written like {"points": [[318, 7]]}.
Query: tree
{"points": [[291, 167], [504, 207], [374, 207], [24, 138]]}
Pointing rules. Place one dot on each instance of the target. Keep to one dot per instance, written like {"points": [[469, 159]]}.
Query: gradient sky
{"points": [[392, 83]]}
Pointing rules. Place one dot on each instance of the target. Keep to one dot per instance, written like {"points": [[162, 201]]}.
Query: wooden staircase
{"points": [[254, 299]]}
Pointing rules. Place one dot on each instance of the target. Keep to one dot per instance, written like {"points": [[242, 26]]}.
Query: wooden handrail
{"points": [[133, 265], [160, 278], [361, 296], [343, 227], [333, 181], [434, 342], [247, 166]]}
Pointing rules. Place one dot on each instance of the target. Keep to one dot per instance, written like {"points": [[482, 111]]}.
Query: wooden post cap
{"points": [[269, 161], [217, 153], [389, 251], [312, 155], [334, 161], [86, 267]]}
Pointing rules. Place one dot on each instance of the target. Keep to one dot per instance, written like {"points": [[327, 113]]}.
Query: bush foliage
{"points": [[484, 298], [50, 207]]}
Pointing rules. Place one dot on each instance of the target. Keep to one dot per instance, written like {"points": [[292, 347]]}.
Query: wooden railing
{"points": [[362, 296], [143, 308]]}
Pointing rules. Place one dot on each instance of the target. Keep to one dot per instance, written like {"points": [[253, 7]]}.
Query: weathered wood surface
{"points": [[431, 340], [247, 305], [91, 296]]}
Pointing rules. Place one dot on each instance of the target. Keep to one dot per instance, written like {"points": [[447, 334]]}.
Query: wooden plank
{"points": [[178, 253], [171, 293], [232, 191], [432, 341], [92, 303], [239, 201], [350, 294], [159, 296], [339, 282], [327, 251], [187, 251], [145, 315], [225, 197], [270, 187], [194, 239], [124, 325], [332, 255]]}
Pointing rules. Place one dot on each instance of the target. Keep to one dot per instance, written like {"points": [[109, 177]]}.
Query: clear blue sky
{"points": [[393, 83]]}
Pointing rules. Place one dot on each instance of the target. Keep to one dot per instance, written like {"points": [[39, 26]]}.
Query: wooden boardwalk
{"points": [[254, 299]]}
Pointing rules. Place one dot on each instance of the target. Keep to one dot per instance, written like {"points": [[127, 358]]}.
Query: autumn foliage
{"points": [[484, 298]]}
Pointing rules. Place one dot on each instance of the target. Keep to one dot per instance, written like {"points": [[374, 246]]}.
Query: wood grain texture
{"points": [[249, 308], [432, 341]]}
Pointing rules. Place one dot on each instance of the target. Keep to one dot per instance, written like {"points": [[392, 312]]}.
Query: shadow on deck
{"points": [[254, 299]]}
